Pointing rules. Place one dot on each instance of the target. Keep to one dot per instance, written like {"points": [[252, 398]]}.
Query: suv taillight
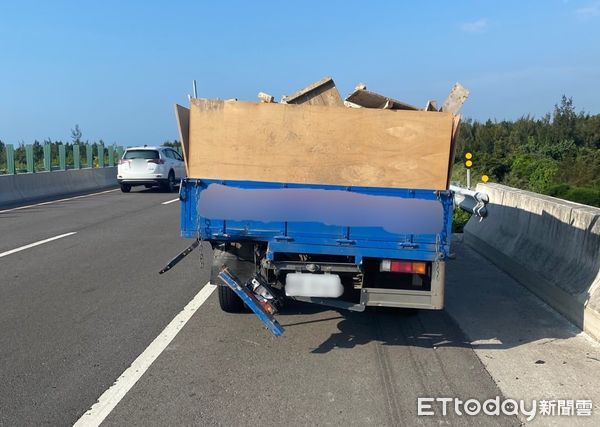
{"points": [[123, 161]]}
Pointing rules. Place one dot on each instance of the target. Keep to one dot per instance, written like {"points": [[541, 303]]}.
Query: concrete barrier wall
{"points": [[21, 188], [550, 245]]}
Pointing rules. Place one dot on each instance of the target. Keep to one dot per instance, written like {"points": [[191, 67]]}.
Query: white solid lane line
{"points": [[57, 201], [111, 397], [169, 201], [31, 245]]}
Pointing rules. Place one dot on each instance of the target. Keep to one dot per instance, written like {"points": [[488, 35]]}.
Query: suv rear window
{"points": [[141, 154]]}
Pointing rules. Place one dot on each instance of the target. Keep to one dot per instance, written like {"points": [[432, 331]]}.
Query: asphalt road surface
{"points": [[75, 312]]}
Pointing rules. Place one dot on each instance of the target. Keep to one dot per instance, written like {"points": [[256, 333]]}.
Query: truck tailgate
{"points": [[327, 219]]}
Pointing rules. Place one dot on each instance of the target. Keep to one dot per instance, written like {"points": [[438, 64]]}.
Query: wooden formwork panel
{"points": [[315, 144]]}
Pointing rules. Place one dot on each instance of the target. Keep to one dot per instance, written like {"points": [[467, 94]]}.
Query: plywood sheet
{"points": [[455, 100], [455, 130], [321, 92], [366, 98], [183, 124], [431, 106], [319, 144]]}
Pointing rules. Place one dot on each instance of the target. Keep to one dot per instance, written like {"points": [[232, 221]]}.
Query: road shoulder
{"points": [[530, 350]]}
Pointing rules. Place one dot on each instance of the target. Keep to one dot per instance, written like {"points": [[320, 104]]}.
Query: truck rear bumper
{"points": [[405, 298]]}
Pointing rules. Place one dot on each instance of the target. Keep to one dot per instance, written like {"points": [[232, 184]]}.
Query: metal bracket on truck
{"points": [[257, 302], [180, 256], [470, 201]]}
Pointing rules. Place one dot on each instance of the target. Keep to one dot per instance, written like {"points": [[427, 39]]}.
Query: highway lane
{"points": [[24, 225], [330, 368], [76, 312]]}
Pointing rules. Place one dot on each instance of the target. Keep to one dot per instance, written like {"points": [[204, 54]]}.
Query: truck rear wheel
{"points": [[229, 301], [243, 269]]}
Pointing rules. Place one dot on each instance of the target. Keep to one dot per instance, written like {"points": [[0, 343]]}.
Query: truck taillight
{"points": [[157, 161], [398, 266]]}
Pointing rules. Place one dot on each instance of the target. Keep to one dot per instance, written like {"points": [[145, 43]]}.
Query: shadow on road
{"points": [[499, 320], [387, 326], [152, 190]]}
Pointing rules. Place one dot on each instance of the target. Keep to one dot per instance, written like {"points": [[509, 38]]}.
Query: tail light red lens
{"points": [[157, 161], [123, 161], [399, 266]]}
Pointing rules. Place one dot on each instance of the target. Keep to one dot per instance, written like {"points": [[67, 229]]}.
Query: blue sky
{"points": [[116, 67]]}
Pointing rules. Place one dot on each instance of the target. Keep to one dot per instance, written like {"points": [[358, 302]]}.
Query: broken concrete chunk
{"points": [[265, 97], [368, 99], [322, 92], [457, 97]]}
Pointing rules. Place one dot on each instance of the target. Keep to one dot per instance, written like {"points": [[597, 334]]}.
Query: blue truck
{"points": [[277, 234]]}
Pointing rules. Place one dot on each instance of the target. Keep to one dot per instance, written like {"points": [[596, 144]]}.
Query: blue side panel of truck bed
{"points": [[320, 219]]}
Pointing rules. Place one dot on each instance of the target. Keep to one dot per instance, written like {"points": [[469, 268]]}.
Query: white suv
{"points": [[150, 166]]}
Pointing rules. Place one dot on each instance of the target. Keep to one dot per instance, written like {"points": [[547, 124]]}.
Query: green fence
{"points": [[32, 158]]}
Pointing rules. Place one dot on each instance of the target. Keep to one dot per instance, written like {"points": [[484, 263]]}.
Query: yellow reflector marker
{"points": [[468, 156], [468, 163], [485, 178]]}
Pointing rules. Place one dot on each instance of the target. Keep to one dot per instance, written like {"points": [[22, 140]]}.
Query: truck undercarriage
{"points": [[362, 285]]}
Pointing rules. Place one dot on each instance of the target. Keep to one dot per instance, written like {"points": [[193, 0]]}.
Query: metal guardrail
{"points": [[72, 156], [27, 158]]}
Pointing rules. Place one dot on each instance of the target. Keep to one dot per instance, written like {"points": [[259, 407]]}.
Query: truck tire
{"points": [[229, 301]]}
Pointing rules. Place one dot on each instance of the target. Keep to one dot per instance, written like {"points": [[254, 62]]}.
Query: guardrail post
{"points": [[76, 157], [100, 155], [47, 158], [62, 157], [10, 159], [29, 158], [89, 155], [111, 155]]}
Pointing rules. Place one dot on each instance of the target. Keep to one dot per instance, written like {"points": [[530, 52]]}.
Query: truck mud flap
{"points": [[251, 301]]}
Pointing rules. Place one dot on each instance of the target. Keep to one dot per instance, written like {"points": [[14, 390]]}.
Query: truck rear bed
{"points": [[249, 216], [328, 226]]}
